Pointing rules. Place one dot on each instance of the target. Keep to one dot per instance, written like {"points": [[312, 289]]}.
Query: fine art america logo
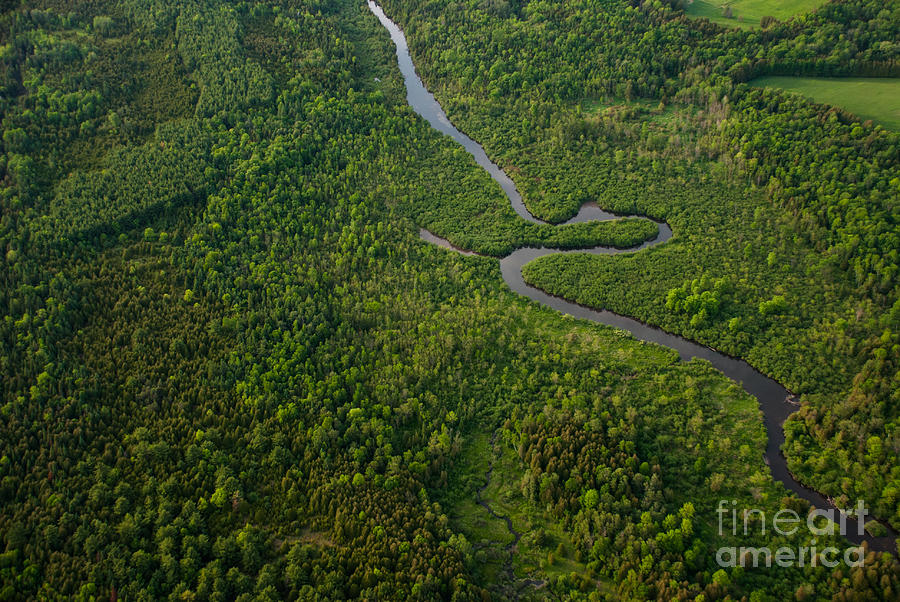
{"points": [[787, 522]]}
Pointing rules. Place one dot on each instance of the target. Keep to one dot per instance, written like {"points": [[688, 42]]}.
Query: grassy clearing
{"points": [[593, 105], [542, 536], [537, 555], [868, 98], [748, 13], [650, 111], [487, 534]]}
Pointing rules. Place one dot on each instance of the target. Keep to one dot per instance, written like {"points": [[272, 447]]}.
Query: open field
{"points": [[747, 13], [868, 98]]}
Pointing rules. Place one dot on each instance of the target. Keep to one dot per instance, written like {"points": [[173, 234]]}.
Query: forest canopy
{"points": [[232, 370]]}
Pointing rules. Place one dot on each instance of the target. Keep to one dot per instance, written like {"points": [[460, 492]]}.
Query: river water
{"points": [[772, 397]]}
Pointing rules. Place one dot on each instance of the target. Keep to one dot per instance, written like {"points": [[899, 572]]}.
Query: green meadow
{"points": [[868, 98], [747, 13]]}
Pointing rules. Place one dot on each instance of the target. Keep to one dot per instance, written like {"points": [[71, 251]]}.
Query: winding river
{"points": [[772, 397]]}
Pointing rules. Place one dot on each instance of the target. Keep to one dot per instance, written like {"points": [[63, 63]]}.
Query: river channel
{"points": [[772, 397]]}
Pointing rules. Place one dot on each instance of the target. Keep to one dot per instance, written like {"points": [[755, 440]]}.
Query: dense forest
{"points": [[231, 369]]}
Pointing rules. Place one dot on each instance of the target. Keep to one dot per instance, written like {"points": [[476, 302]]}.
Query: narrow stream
{"points": [[772, 397]]}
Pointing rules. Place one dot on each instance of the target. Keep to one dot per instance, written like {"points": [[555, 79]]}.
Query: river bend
{"points": [[772, 397]]}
